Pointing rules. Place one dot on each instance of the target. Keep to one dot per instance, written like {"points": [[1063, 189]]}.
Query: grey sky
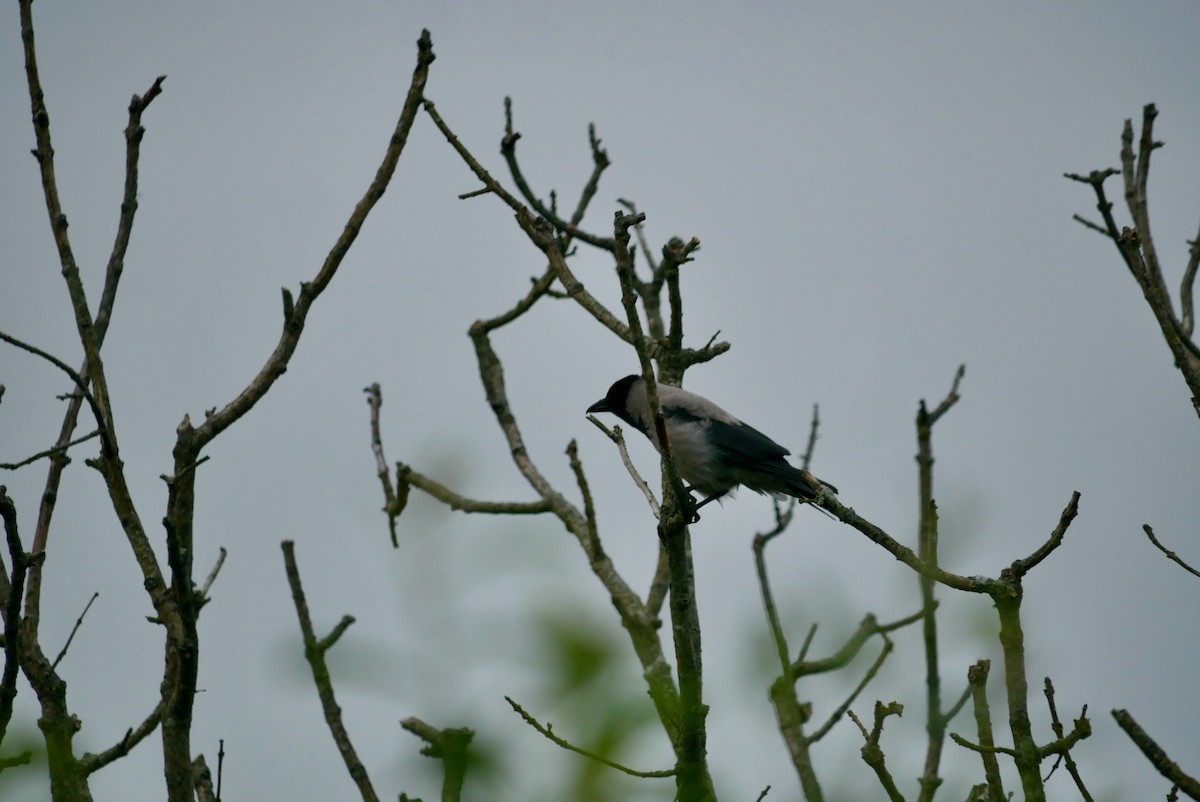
{"points": [[878, 189]]}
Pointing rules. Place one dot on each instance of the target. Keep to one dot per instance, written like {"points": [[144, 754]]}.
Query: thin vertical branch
{"points": [[693, 781], [392, 505], [11, 605], [977, 682], [314, 653], [927, 550], [1057, 726]]}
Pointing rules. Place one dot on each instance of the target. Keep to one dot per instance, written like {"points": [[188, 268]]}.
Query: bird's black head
{"points": [[616, 401]]}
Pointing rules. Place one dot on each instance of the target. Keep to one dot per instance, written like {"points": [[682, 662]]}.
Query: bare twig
{"points": [[1186, 287], [872, 753], [806, 458], [406, 476], [277, 362], [617, 436], [783, 518], [676, 253], [1170, 554], [547, 731], [1156, 755], [980, 748], [974, 584], [1021, 567], [71, 373], [589, 508], [508, 148], [977, 686], [1065, 754], [90, 763], [841, 709], [78, 623], [927, 550], [13, 598], [212, 575], [392, 505], [314, 652], [50, 452]]}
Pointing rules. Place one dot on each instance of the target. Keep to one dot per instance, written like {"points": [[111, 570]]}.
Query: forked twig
{"points": [[547, 731]]}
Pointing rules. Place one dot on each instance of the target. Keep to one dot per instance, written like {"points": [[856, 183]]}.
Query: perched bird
{"points": [[714, 451]]}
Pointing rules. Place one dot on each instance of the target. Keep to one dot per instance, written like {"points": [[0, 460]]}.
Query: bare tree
{"points": [[172, 590]]}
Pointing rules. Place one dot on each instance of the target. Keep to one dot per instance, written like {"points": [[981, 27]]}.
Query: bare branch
{"points": [[841, 709], [13, 597], [806, 459], [508, 149], [872, 754], [539, 231], [1062, 746], [1021, 567], [1089, 224], [91, 763], [1187, 310], [548, 732], [977, 676], [676, 253], [848, 516], [314, 652], [1170, 554], [617, 436], [391, 505], [74, 376], [589, 508], [406, 476], [927, 551], [220, 765], [1156, 755], [277, 362], [659, 584], [981, 749], [850, 649], [640, 622], [212, 576], [783, 517], [78, 623], [50, 452]]}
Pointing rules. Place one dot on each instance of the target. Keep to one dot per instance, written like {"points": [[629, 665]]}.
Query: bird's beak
{"points": [[599, 406]]}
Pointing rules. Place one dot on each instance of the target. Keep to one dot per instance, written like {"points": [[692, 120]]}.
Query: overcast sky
{"points": [[879, 195]]}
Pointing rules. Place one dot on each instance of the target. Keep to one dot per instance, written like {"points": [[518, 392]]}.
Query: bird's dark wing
{"points": [[744, 445]]}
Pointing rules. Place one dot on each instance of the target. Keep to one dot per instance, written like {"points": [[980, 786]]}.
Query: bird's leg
{"points": [[696, 507]]}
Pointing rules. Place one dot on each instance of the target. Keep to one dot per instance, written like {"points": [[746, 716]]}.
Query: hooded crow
{"points": [[714, 451]]}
